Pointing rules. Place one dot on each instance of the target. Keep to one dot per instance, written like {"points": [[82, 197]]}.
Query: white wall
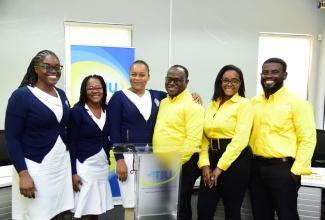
{"points": [[205, 35]]}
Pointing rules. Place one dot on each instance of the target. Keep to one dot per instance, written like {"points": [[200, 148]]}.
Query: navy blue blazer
{"points": [[85, 138], [125, 116], [31, 128]]}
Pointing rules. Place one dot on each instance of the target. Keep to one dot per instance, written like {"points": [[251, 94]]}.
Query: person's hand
{"points": [[121, 170], [214, 176], [197, 98], [295, 177], [26, 184], [206, 172], [77, 182]]}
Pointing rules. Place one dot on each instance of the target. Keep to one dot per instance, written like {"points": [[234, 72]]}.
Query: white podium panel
{"points": [[157, 185]]}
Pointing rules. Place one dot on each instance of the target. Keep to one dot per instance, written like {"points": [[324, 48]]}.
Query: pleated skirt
{"points": [[95, 196]]}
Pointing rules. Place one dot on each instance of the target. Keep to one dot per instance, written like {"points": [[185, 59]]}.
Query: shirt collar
{"points": [[277, 94], [234, 98], [179, 96]]}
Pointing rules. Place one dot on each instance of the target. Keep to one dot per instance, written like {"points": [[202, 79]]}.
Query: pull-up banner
{"points": [[112, 63]]}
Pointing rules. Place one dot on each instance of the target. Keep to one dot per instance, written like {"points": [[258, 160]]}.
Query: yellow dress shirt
{"points": [[179, 123], [232, 120], [284, 126]]}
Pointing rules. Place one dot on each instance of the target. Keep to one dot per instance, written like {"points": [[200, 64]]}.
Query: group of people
{"points": [[264, 144]]}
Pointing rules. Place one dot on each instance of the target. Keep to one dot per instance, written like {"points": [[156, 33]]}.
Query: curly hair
{"points": [[31, 77], [83, 91]]}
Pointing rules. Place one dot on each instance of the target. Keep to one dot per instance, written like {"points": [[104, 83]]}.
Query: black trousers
{"points": [[231, 187], [273, 188], [190, 172]]}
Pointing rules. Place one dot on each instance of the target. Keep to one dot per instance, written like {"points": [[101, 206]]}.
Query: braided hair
{"points": [[31, 76], [83, 91]]}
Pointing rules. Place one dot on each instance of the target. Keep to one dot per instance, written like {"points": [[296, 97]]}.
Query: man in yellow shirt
{"points": [[180, 123], [283, 139]]}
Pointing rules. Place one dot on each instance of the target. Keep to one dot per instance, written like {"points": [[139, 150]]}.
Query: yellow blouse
{"points": [[232, 120]]}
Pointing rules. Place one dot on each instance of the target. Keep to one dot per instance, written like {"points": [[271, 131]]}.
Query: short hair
{"points": [[83, 93], [218, 92], [31, 76], [277, 60], [180, 66], [140, 62]]}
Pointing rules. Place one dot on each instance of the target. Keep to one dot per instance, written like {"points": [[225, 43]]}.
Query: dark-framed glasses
{"points": [[92, 88], [233, 81], [50, 68], [177, 81]]}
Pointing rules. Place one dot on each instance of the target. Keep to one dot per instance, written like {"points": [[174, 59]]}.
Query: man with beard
{"points": [[180, 124], [283, 139]]}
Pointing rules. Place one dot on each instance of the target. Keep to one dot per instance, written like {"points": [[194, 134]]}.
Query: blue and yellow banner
{"points": [[112, 63]]}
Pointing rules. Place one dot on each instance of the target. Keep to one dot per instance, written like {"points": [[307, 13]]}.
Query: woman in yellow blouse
{"points": [[225, 158]]}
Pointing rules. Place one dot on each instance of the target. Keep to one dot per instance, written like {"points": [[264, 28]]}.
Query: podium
{"points": [[157, 180]]}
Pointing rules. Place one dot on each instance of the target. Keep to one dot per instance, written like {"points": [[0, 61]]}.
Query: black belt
{"points": [[266, 160], [219, 144]]}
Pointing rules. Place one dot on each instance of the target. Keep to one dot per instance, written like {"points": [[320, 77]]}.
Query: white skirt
{"points": [[53, 181], [95, 196], [127, 187]]}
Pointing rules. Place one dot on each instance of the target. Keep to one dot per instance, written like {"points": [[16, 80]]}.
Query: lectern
{"points": [[157, 180]]}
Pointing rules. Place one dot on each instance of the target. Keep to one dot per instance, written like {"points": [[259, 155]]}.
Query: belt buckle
{"points": [[211, 144]]}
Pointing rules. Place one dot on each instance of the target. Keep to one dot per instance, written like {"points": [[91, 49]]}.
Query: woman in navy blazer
{"points": [[132, 116], [35, 132], [89, 145]]}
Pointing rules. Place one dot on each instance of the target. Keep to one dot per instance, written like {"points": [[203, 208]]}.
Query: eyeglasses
{"points": [[92, 88], [177, 81], [233, 81], [49, 68]]}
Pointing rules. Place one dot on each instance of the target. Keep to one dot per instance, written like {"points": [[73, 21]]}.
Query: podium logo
{"points": [[159, 177]]}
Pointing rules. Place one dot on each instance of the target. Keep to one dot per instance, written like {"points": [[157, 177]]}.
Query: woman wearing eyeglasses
{"points": [[89, 145], [35, 132], [225, 158]]}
